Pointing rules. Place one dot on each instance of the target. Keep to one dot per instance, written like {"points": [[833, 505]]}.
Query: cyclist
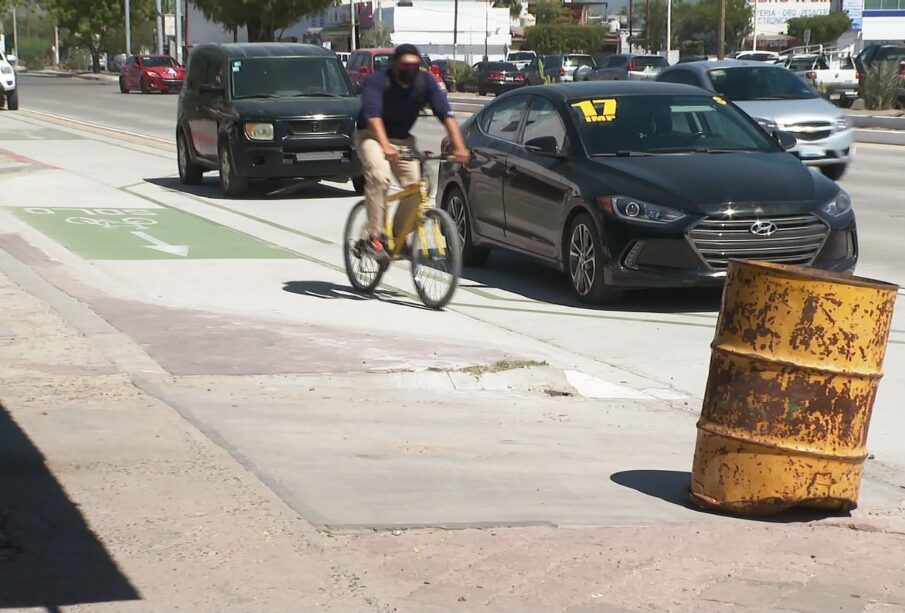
{"points": [[392, 99]]}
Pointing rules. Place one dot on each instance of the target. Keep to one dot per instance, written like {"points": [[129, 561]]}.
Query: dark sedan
{"points": [[638, 184], [494, 78]]}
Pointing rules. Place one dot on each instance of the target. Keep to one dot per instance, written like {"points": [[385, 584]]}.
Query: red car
{"points": [[151, 73], [363, 62]]}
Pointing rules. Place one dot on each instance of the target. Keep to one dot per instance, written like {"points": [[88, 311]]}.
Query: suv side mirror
{"points": [[785, 139], [12, 59], [545, 146]]}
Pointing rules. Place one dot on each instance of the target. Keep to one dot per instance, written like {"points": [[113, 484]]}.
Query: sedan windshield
{"points": [[278, 77], [150, 62], [663, 124], [520, 55], [759, 83]]}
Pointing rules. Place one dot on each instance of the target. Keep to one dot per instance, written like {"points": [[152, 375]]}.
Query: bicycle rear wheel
{"points": [[437, 264], [364, 271]]}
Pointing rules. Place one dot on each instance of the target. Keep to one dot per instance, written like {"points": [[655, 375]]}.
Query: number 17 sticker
{"points": [[595, 111]]}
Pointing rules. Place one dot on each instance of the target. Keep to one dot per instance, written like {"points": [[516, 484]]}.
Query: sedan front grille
{"points": [[810, 130], [789, 239]]}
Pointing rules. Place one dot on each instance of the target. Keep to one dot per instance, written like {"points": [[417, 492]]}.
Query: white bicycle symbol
{"points": [[134, 223]]}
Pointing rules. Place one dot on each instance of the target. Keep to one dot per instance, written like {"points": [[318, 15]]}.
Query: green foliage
{"points": [[880, 83], [34, 52], [704, 17], [655, 29], [77, 60], [565, 38], [551, 12], [514, 6], [378, 36], [263, 17], [692, 47], [824, 28], [460, 71]]}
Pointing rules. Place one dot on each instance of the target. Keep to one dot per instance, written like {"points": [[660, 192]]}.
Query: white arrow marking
{"points": [[159, 245]]}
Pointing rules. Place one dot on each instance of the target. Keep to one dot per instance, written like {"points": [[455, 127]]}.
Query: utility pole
{"points": [[56, 46], [15, 35], [128, 29], [352, 44], [668, 28], [185, 34], [647, 24], [721, 46], [158, 12], [754, 44], [486, 26], [178, 20], [455, 28], [631, 13]]}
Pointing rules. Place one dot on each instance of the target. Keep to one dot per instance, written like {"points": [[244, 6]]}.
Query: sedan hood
{"points": [[703, 183], [272, 108], [786, 112]]}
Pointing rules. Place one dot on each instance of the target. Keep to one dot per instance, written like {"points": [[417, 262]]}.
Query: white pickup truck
{"points": [[834, 76], [9, 95]]}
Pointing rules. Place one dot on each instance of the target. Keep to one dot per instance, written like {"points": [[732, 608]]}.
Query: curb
{"points": [[880, 137], [87, 76], [881, 122]]}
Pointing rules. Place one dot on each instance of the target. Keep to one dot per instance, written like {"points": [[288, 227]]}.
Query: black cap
{"points": [[405, 49]]}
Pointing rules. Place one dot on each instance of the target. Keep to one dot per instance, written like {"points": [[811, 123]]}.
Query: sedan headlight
{"points": [[632, 209], [259, 131], [838, 206], [842, 124], [154, 74], [6, 69]]}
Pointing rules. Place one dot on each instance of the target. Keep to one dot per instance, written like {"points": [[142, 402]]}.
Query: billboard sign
{"points": [[772, 15], [854, 9]]}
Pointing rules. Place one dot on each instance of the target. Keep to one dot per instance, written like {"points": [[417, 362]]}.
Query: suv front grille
{"points": [[810, 130], [314, 126], [797, 239]]}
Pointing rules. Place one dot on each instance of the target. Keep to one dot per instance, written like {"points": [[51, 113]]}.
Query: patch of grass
{"points": [[500, 366]]}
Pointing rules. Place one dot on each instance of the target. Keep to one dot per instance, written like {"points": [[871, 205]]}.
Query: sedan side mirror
{"points": [[544, 145], [785, 139]]}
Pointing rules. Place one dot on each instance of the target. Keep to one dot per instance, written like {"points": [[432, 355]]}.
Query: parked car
{"points": [[521, 59], [835, 75], [266, 110], [151, 73], [758, 56], [494, 78], [879, 53], [9, 93], [636, 185], [343, 57], [119, 61], [445, 68], [777, 98], [559, 68], [365, 62], [624, 66]]}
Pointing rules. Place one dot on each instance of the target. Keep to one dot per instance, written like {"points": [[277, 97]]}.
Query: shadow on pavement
{"points": [[257, 190], [331, 291], [522, 276], [49, 557], [668, 485]]}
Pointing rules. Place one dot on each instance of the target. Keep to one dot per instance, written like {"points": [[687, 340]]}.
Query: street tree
{"points": [[514, 6], [551, 12], [87, 23], [824, 28], [654, 21], [378, 36], [704, 18], [262, 18]]}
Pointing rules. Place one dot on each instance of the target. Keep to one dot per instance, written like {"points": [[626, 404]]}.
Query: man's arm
{"points": [[460, 152], [443, 111]]}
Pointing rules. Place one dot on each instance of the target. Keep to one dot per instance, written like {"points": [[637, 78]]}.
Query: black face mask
{"points": [[407, 77]]}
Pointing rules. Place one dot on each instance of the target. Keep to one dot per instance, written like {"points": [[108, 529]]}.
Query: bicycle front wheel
{"points": [[436, 259], [364, 271]]}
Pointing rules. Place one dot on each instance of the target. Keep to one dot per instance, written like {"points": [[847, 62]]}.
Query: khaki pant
{"points": [[378, 171]]}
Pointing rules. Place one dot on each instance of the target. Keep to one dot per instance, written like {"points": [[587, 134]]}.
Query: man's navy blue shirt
{"points": [[399, 106]]}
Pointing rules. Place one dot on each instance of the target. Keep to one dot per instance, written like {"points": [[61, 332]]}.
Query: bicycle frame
{"points": [[415, 221]]}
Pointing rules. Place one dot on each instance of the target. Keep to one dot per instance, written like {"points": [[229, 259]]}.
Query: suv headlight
{"points": [[842, 124], [5, 69], [259, 131], [838, 206], [632, 209]]}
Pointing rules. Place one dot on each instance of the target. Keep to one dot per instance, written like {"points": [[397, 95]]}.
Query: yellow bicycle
{"points": [[435, 252]]}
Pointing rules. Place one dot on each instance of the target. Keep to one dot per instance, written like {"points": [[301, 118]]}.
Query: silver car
{"points": [[777, 98]]}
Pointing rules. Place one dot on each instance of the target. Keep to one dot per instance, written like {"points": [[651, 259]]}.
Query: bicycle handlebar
{"points": [[410, 154]]}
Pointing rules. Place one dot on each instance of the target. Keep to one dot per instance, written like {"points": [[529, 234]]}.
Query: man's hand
{"points": [[461, 154], [391, 152]]}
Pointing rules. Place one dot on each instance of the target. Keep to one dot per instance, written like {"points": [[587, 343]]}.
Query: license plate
{"points": [[835, 96], [318, 156], [810, 152]]}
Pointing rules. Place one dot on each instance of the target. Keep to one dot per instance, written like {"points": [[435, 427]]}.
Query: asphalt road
{"points": [[655, 342]]}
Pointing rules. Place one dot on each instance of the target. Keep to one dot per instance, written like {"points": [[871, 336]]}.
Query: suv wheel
{"points": [[12, 100], [233, 185], [122, 86], [189, 172]]}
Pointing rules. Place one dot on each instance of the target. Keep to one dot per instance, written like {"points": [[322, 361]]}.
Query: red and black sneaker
{"points": [[374, 247]]}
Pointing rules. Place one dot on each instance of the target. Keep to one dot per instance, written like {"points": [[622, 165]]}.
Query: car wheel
{"points": [[143, 85], [358, 183], [189, 172], [834, 171], [454, 204], [12, 100], [481, 92], [584, 258], [233, 185], [122, 86]]}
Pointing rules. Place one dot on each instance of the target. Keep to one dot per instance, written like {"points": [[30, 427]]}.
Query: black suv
{"points": [[266, 110]]}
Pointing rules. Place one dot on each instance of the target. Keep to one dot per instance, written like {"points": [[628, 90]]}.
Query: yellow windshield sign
{"points": [[719, 100], [594, 111]]}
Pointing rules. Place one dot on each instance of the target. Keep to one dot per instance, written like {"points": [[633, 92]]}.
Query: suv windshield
{"points": [[760, 83], [520, 56], [158, 61], [660, 124], [288, 77]]}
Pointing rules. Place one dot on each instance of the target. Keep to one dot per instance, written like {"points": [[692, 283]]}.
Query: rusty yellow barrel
{"points": [[796, 361]]}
